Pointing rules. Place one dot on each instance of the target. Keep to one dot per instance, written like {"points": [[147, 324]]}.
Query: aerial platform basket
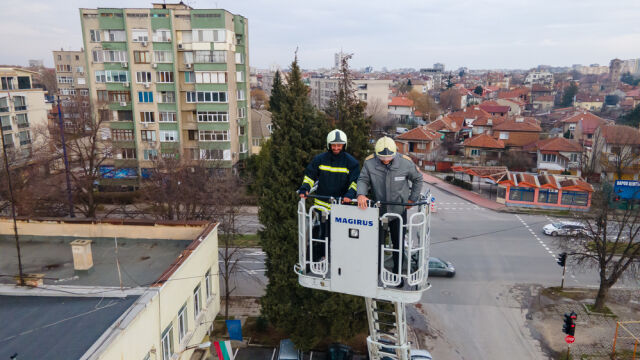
{"points": [[339, 250]]}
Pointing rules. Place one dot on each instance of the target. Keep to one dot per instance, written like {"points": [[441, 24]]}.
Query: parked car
{"points": [[420, 355], [439, 267], [288, 351], [339, 352], [564, 228]]}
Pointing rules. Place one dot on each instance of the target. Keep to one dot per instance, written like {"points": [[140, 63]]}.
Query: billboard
{"points": [[627, 189]]}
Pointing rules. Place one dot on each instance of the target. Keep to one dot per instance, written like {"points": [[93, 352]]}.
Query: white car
{"points": [[564, 228]]}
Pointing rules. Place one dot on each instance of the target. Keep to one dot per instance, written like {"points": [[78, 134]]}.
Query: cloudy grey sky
{"points": [[479, 34]]}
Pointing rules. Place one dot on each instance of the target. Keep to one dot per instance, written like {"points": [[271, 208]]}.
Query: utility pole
{"points": [[13, 204], [66, 161]]}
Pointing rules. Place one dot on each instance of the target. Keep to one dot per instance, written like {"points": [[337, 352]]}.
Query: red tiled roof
{"points": [[621, 135], [527, 124], [494, 108], [539, 88], [419, 133], [446, 123], [401, 101], [633, 93], [589, 98], [545, 98], [558, 144], [575, 118], [484, 141], [515, 93]]}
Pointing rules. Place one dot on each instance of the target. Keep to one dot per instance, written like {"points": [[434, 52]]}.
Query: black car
{"points": [[339, 352]]}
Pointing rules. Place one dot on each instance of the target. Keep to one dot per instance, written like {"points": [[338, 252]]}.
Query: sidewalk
{"points": [[462, 193]]}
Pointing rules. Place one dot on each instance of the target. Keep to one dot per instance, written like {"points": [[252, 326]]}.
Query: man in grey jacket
{"points": [[388, 175]]}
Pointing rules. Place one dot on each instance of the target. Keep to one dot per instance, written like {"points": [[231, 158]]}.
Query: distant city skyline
{"points": [[493, 34]]}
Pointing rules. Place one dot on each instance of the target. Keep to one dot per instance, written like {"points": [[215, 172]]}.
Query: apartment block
{"points": [[170, 81], [376, 93], [71, 75], [23, 112]]}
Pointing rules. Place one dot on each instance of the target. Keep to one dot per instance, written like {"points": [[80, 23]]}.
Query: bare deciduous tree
{"points": [[610, 243], [425, 104], [450, 100]]}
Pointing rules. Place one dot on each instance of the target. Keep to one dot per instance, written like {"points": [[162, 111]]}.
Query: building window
{"points": [[243, 148], [109, 56], [63, 68], [94, 35], [242, 112], [206, 56], [19, 103], [168, 135], [162, 35], [147, 117], [196, 301], [549, 158], [573, 157], [22, 121], [150, 154], [102, 95], [122, 135], [207, 283], [7, 83], [188, 57], [167, 343], [167, 97], [192, 134], [257, 141], [145, 96], [189, 77], [115, 35], [211, 154], [213, 116], [4, 104], [167, 116], [65, 79], [213, 135], [163, 56], [112, 76], [143, 77], [504, 135], [242, 131], [164, 76], [211, 77], [127, 153], [148, 135], [239, 76], [521, 194], [119, 96], [548, 196], [239, 58], [141, 57], [241, 95], [139, 35], [6, 122], [206, 96], [8, 140], [182, 323], [577, 198], [208, 35]]}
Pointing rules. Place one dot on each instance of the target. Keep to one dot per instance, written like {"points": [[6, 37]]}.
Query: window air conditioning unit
{"points": [[118, 156], [123, 103], [180, 47], [125, 64], [125, 84], [146, 85], [144, 43], [146, 125], [154, 65], [188, 66]]}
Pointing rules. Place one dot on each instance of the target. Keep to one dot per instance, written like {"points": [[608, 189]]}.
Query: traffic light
{"points": [[569, 326], [562, 259]]}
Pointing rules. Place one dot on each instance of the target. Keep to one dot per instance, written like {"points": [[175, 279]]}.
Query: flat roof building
{"points": [[156, 293]]}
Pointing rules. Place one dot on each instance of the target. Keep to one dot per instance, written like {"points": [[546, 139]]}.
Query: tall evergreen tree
{"points": [[299, 133], [569, 93], [347, 113]]}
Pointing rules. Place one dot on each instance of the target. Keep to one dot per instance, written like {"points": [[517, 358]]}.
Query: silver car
{"points": [[564, 228]]}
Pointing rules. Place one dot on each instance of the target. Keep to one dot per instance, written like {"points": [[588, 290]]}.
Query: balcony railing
{"points": [[23, 125]]}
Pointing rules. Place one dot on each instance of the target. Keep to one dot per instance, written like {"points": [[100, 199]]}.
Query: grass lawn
{"points": [[618, 248], [241, 240]]}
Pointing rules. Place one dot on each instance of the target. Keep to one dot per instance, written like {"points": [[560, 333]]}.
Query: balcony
{"points": [[23, 125], [25, 142]]}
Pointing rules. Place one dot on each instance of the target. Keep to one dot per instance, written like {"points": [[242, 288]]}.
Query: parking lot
{"points": [[260, 353]]}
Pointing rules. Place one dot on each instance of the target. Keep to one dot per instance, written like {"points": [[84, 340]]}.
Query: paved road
{"points": [[248, 277]]}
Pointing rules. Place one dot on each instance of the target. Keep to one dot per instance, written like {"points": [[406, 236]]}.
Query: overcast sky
{"points": [[477, 34]]}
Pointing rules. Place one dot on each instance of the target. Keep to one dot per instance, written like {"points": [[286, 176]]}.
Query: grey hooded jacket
{"points": [[391, 182]]}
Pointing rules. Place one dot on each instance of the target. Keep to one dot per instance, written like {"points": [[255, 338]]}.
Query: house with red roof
{"points": [[588, 125], [517, 132], [556, 155], [401, 108], [418, 142], [516, 106], [543, 102], [495, 109], [589, 102], [483, 148], [616, 149], [523, 93], [631, 99]]}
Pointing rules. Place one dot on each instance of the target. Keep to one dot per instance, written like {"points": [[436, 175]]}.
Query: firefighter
{"points": [[388, 176], [336, 174]]}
